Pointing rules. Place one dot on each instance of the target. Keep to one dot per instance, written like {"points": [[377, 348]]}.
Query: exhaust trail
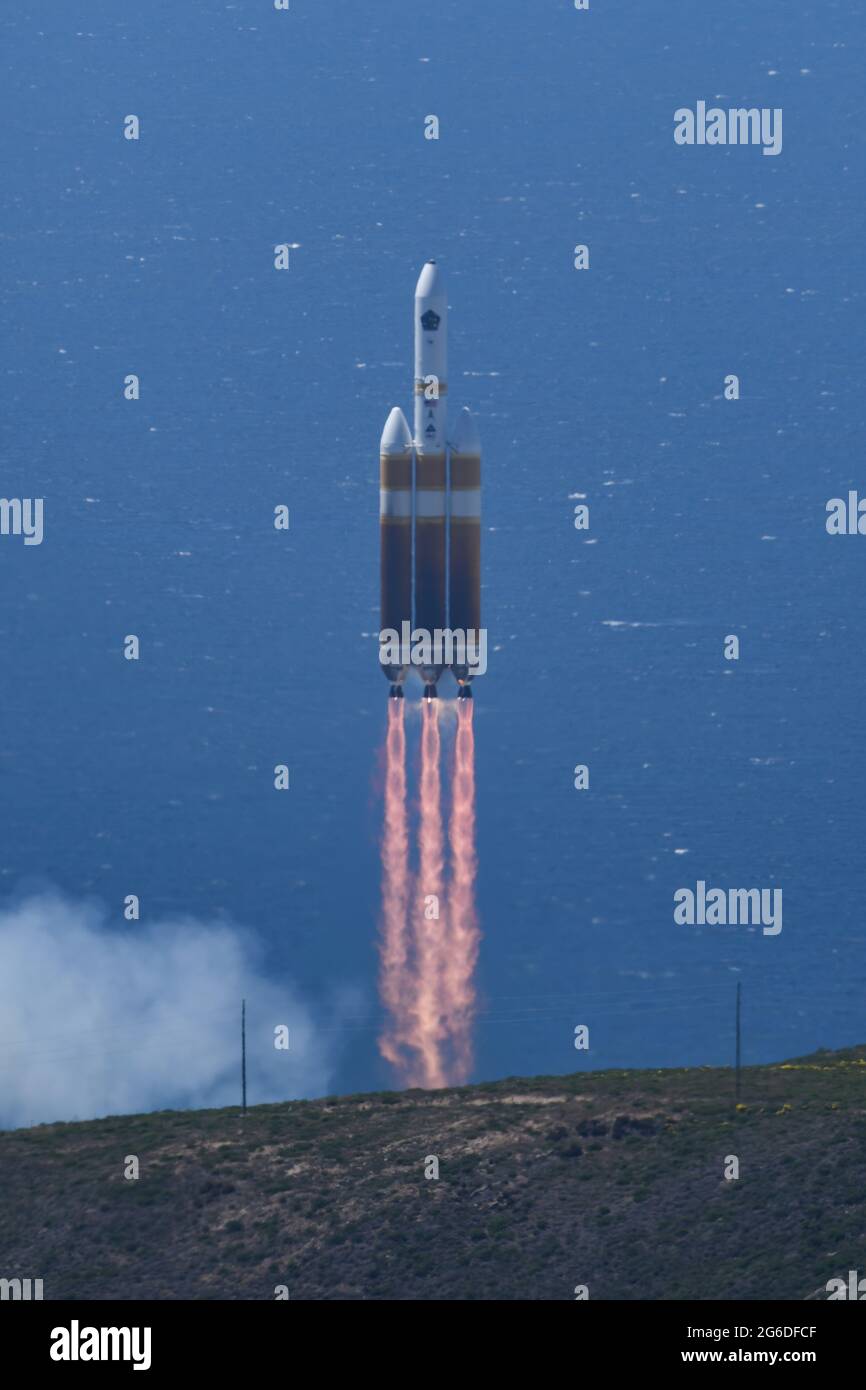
{"points": [[428, 912], [395, 976], [429, 934], [464, 935]]}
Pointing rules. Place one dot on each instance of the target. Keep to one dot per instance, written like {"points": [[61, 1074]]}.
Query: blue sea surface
{"points": [[707, 516]]}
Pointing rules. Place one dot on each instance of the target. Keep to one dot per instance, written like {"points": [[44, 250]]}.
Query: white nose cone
{"points": [[429, 282], [396, 436], [467, 440]]}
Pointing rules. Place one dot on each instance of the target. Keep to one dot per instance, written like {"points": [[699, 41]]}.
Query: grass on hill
{"points": [[614, 1180]]}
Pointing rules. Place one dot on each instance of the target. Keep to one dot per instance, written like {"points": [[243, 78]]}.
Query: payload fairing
{"points": [[430, 509]]}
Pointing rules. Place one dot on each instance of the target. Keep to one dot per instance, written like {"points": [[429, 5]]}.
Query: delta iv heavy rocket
{"points": [[430, 506]]}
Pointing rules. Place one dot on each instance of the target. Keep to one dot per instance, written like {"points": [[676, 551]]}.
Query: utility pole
{"points": [[243, 1055], [737, 1083]]}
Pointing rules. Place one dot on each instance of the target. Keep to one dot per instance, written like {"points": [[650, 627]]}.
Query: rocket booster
{"points": [[430, 513], [464, 537], [395, 530]]}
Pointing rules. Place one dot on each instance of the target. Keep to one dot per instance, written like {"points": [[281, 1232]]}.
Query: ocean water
{"points": [[707, 516]]}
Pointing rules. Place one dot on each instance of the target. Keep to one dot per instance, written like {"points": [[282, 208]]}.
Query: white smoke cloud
{"points": [[107, 1019]]}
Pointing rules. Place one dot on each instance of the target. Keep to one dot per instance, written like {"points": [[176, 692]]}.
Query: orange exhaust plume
{"points": [[393, 941], [464, 935], [428, 910], [430, 933]]}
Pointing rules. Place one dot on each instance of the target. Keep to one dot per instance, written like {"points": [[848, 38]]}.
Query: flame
{"points": [[464, 935], [430, 933], [428, 911], [393, 941]]}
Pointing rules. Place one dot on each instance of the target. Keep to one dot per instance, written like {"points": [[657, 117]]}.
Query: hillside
{"points": [[611, 1179]]}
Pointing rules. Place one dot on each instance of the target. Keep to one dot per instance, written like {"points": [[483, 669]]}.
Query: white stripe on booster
{"points": [[466, 504], [395, 503], [429, 504]]}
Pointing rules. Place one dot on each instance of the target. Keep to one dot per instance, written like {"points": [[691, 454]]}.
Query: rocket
{"points": [[430, 506]]}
